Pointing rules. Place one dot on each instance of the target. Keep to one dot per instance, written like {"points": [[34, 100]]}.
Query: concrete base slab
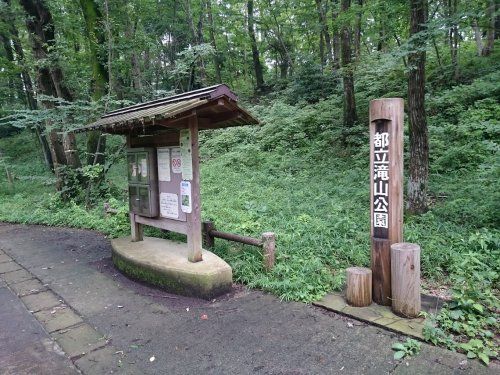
{"points": [[165, 264], [381, 316]]}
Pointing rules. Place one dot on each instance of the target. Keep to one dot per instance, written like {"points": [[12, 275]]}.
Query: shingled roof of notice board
{"points": [[217, 104]]}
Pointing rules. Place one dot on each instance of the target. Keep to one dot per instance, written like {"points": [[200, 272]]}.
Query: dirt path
{"points": [[106, 323]]}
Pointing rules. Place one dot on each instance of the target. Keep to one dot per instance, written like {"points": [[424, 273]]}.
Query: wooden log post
{"points": [[208, 239], [136, 229], [268, 249], [359, 286], [405, 277], [386, 190], [194, 239]]}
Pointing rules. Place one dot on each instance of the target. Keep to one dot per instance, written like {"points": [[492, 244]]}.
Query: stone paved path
{"points": [[58, 288]]}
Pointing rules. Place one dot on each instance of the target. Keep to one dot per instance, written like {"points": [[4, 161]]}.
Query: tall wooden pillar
{"points": [[194, 238], [386, 190]]}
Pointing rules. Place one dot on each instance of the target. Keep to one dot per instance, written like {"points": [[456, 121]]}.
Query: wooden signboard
{"points": [[386, 190], [176, 197]]}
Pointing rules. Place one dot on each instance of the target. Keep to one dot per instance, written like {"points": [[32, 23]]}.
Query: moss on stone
{"points": [[190, 286]]}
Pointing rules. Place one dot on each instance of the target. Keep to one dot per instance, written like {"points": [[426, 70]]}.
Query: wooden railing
{"points": [[267, 242]]}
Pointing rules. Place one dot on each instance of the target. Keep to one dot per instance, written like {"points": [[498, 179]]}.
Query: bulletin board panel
{"points": [[169, 191]]}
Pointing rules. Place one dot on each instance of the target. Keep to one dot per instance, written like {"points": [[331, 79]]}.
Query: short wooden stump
{"points": [[359, 286], [405, 277]]}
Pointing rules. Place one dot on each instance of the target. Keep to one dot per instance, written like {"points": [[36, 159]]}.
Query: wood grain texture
{"points": [[359, 286], [194, 239], [405, 276], [268, 249], [163, 223], [136, 229], [391, 111], [381, 270]]}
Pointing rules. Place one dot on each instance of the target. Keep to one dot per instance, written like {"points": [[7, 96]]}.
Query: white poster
{"points": [[186, 201], [175, 159], [169, 205], [186, 156], [144, 167], [163, 164]]}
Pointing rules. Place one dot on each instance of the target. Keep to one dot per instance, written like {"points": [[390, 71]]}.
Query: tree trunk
{"points": [[357, 32], [322, 57], [453, 37], [324, 33], [419, 143], [70, 149], [49, 78], [94, 24], [201, 63], [211, 29], [27, 83], [6, 42], [350, 116], [490, 33], [259, 75], [336, 37], [477, 37]]}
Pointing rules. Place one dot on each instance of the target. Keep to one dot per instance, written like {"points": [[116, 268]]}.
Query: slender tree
{"points": [[336, 40], [490, 32], [211, 29], [321, 7], [419, 143], [259, 75], [350, 115], [94, 24]]}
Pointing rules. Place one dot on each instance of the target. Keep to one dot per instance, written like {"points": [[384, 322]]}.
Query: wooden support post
{"points": [[136, 229], [208, 240], [405, 275], [268, 249], [194, 218], [359, 286], [386, 190]]}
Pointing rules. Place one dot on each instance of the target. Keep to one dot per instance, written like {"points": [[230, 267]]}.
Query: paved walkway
{"points": [[59, 289]]}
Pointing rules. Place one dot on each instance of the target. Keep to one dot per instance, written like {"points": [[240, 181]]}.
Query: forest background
{"points": [[307, 70]]}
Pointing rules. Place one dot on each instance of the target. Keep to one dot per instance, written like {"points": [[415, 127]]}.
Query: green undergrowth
{"points": [[292, 176]]}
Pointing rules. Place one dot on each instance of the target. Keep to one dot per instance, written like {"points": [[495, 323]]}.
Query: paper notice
{"points": [[175, 159], [144, 167], [163, 164], [169, 205], [186, 205], [186, 155]]}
